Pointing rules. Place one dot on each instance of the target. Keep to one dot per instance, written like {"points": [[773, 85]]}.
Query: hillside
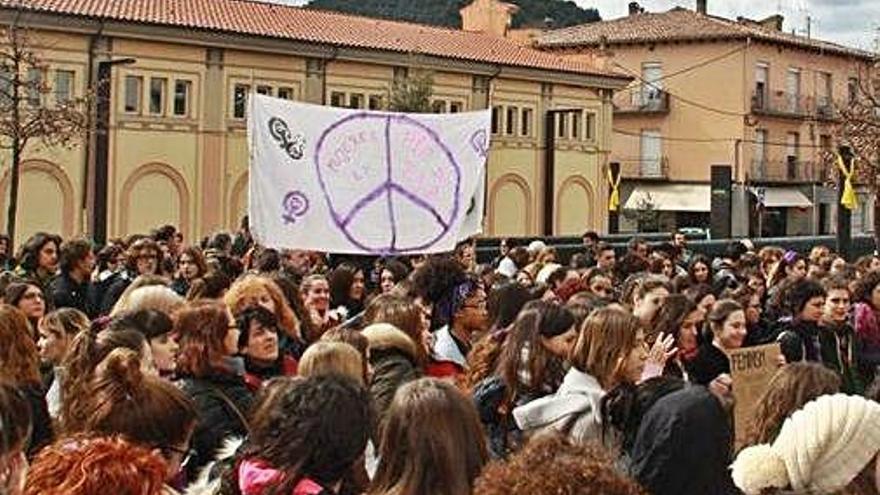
{"points": [[445, 12]]}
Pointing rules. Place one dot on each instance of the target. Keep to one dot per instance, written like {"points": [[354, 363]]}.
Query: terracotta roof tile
{"points": [[294, 23], [679, 24]]}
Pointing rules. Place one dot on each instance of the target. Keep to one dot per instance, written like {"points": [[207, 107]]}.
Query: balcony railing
{"points": [[826, 109], [638, 100], [786, 170], [650, 168], [782, 104]]}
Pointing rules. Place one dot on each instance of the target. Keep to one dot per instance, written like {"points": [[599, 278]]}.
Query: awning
{"points": [[783, 197], [670, 197]]}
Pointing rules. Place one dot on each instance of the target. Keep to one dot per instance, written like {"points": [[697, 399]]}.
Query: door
{"points": [[760, 159], [652, 85], [651, 155], [760, 97], [793, 90]]}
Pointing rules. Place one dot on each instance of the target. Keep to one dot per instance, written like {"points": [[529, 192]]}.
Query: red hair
{"points": [[201, 328], [81, 465], [19, 358]]}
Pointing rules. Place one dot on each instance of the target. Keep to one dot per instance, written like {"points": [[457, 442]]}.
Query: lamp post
{"points": [[550, 164], [99, 176]]}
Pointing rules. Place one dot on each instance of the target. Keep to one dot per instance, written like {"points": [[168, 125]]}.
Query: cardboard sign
{"points": [[751, 369]]}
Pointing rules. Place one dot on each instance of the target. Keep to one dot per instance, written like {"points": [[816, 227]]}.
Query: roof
{"points": [[681, 24], [294, 23]]}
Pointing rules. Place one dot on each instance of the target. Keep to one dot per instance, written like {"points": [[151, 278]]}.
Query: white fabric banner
{"points": [[364, 182]]}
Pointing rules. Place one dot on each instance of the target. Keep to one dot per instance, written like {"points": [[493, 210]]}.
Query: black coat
{"points": [[799, 341], [708, 364], [683, 445], [68, 293], [222, 402], [41, 433]]}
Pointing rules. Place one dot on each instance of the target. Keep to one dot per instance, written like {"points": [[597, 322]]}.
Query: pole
{"points": [[549, 166], [614, 216], [98, 220], [844, 215]]}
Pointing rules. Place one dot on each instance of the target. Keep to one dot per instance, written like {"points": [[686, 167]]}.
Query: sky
{"points": [[849, 22]]}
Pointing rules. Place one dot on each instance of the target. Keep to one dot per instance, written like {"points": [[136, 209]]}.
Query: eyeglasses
{"points": [[186, 455]]}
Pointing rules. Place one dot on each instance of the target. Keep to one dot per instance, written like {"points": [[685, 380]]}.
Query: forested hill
{"points": [[445, 12]]}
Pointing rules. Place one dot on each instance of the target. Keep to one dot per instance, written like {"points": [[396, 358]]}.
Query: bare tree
{"points": [[26, 112], [412, 94]]}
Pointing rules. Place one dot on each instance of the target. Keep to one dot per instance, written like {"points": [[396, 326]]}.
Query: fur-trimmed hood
{"points": [[384, 336], [204, 484]]}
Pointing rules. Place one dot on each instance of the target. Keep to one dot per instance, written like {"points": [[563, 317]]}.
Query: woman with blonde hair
{"points": [[610, 351], [256, 290], [445, 451], [323, 358], [155, 297], [57, 330], [149, 280]]}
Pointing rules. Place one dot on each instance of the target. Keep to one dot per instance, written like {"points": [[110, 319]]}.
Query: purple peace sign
{"points": [[371, 167]]}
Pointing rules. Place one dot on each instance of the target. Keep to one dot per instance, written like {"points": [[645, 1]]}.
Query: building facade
{"points": [[177, 140], [714, 91]]}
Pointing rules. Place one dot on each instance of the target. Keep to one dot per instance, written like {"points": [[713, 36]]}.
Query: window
{"points": [[792, 152], [512, 113], [526, 122], [852, 89], [356, 101], [589, 126], [285, 93], [496, 120], [825, 142], [182, 90], [63, 85], [34, 87], [455, 107], [824, 89], [337, 99], [793, 89], [562, 125], [652, 82], [240, 99], [439, 106], [761, 76], [133, 94], [264, 90], [651, 153], [761, 153], [375, 102], [157, 95], [576, 125]]}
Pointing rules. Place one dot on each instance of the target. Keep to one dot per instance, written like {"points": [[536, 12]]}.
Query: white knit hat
{"points": [[819, 450]]}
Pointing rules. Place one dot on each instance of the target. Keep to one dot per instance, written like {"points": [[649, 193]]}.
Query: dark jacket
{"points": [[254, 375], [839, 352], [222, 402], [68, 293], [393, 359], [683, 445], [114, 291], [708, 364], [180, 286], [799, 341], [41, 433]]}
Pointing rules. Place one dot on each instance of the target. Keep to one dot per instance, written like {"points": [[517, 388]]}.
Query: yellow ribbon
{"points": [[614, 194], [848, 199]]}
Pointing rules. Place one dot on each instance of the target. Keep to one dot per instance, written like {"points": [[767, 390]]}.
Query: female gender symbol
{"points": [[295, 204]]}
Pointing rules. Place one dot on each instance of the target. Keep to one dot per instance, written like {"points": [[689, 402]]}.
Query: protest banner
{"points": [[364, 182], [750, 369]]}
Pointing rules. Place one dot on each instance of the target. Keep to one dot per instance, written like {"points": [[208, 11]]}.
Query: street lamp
{"points": [[99, 176]]}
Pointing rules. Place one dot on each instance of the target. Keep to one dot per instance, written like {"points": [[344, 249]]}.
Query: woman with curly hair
{"points": [[554, 464], [867, 324], [83, 465], [191, 266], [257, 290], [30, 299], [699, 270], [15, 428], [20, 367], [791, 387], [145, 409], [57, 330], [441, 459], [212, 376], [38, 259], [680, 318], [307, 436]]}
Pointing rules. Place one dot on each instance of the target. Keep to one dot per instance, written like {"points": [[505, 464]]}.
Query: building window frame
{"points": [[527, 123], [511, 118], [590, 126], [240, 96], [68, 93], [158, 95], [133, 87], [338, 99], [182, 104]]}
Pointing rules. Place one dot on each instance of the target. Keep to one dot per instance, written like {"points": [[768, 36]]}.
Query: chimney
{"points": [[634, 8], [774, 22], [701, 6]]}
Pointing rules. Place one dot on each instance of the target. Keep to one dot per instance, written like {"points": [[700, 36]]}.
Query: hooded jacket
{"points": [[683, 445], [574, 410], [393, 359]]}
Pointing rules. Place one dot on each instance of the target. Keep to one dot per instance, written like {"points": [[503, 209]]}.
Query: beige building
{"points": [[177, 150], [710, 90]]}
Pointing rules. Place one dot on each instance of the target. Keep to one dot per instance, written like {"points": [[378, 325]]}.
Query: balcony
{"points": [[640, 101], [786, 170], [826, 109], [781, 104], [645, 169]]}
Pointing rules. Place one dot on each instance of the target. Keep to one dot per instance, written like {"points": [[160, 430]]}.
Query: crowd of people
{"points": [[151, 367]]}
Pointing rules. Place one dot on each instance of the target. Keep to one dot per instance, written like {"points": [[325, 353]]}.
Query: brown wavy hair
{"points": [[244, 293], [790, 389], [19, 358], [83, 465], [401, 312], [201, 327], [145, 409], [553, 464], [606, 338]]}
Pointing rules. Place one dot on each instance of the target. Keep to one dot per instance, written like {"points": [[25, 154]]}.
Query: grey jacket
{"points": [[573, 410]]}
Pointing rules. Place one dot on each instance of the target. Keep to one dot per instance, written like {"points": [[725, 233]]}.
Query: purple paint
{"points": [[423, 145], [295, 204], [480, 143]]}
